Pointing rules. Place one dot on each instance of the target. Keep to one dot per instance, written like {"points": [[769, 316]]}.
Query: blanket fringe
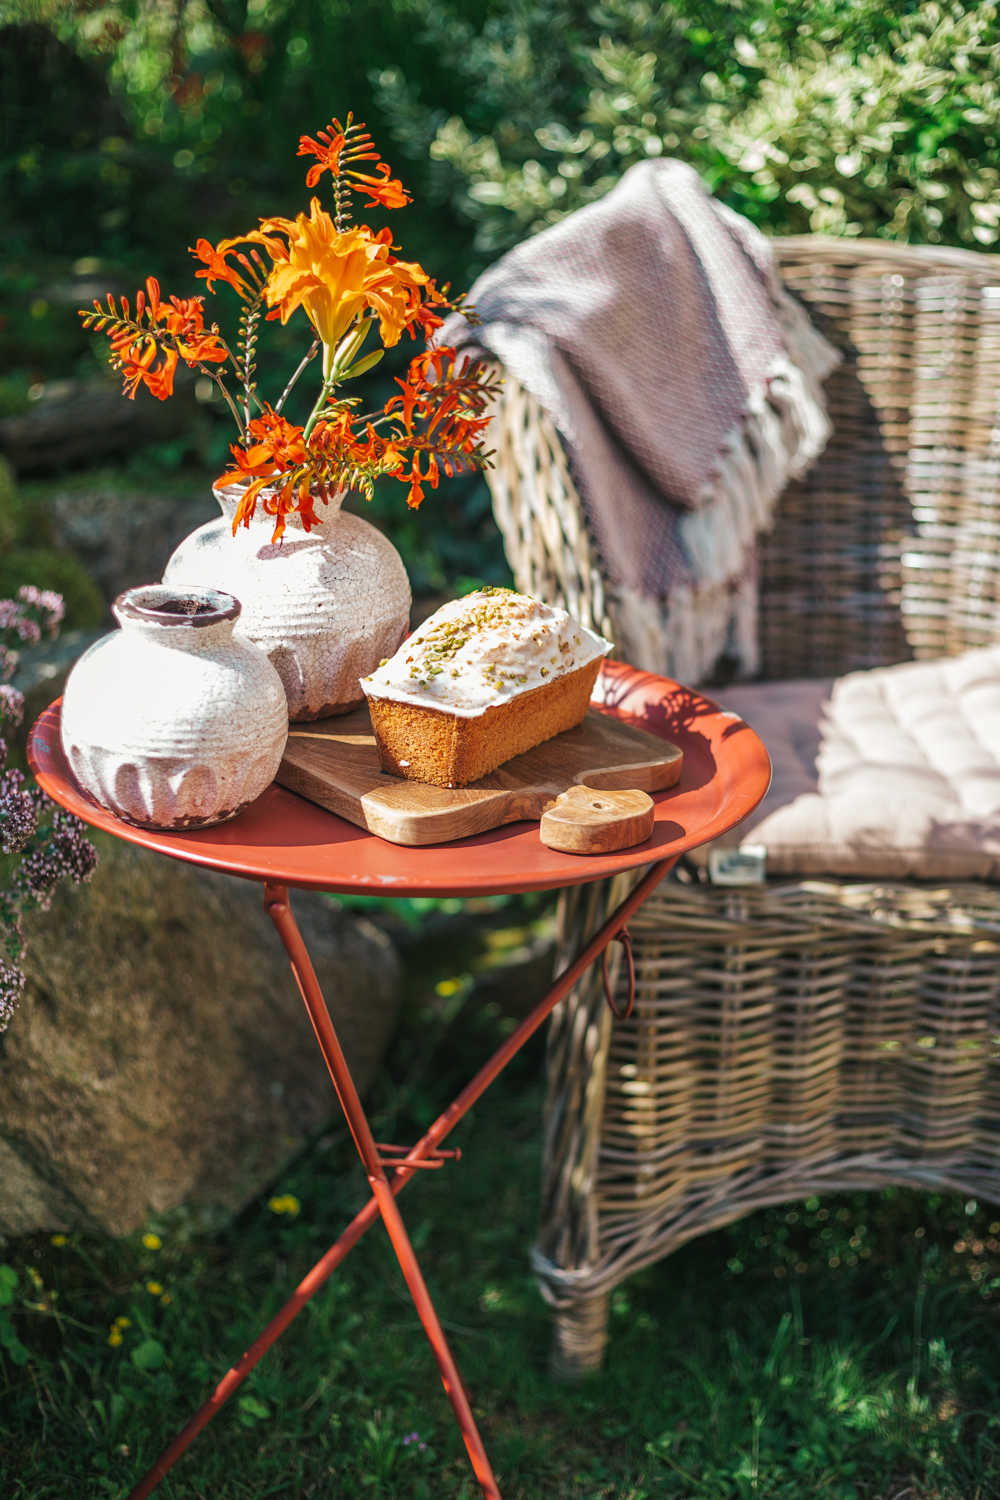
{"points": [[684, 636], [781, 434]]}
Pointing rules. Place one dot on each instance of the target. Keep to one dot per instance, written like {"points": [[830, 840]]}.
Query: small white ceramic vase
{"points": [[172, 721], [326, 606]]}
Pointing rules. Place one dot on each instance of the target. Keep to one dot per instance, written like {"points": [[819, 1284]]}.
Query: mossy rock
{"points": [[26, 559], [61, 571], [161, 1054], [122, 531]]}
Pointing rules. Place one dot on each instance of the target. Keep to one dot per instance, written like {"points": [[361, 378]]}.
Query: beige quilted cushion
{"points": [[892, 772]]}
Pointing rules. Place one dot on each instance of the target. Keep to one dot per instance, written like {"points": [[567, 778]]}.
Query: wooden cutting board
{"points": [[335, 762]]}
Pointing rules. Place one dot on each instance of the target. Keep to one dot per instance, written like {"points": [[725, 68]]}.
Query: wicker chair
{"points": [[802, 1036]]}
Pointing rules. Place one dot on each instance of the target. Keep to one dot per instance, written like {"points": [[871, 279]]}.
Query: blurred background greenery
{"points": [[126, 132], [128, 129]]}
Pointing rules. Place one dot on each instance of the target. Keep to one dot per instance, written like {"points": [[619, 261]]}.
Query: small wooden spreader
{"points": [[589, 786]]}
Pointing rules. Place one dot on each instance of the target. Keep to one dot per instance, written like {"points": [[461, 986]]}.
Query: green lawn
{"points": [[840, 1348]]}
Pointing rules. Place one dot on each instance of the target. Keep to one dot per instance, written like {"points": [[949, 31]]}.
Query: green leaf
{"points": [[149, 1355], [253, 1409], [10, 1341]]}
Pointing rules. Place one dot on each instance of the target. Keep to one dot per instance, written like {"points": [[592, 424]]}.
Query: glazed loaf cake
{"points": [[484, 679]]}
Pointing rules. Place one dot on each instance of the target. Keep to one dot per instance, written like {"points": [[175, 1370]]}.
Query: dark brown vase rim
{"points": [[164, 604]]}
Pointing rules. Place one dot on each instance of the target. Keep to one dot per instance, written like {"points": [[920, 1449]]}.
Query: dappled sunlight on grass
{"points": [[845, 1347]]}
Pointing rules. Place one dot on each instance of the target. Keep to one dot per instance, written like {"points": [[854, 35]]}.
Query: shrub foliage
{"points": [[844, 117]]}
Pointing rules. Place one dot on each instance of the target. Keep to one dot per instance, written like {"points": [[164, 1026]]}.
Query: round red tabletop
{"points": [[285, 839]]}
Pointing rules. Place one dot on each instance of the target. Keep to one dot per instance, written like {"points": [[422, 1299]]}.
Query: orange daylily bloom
{"points": [[334, 275]]}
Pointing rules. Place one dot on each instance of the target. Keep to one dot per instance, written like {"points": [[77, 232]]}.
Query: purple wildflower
{"points": [[11, 703], [11, 985], [18, 617], [64, 854], [18, 813], [50, 841], [48, 602]]}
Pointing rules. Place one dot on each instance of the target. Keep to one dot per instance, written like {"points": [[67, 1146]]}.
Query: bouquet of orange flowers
{"points": [[346, 279]]}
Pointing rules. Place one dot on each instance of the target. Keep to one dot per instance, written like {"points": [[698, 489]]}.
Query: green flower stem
{"points": [[326, 391], [287, 391], [249, 334], [214, 376], [335, 360]]}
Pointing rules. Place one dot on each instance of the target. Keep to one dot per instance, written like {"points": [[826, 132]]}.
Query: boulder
{"points": [[161, 1053], [125, 534], [74, 422]]}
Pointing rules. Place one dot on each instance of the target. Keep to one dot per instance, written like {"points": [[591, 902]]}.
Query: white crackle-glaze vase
{"points": [[173, 721], [325, 605]]}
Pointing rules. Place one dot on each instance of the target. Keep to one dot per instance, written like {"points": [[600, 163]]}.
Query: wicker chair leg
{"points": [[576, 1059], [579, 1334]]}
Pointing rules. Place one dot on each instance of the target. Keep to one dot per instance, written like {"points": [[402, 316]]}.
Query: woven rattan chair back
{"points": [[806, 1036], [887, 548]]}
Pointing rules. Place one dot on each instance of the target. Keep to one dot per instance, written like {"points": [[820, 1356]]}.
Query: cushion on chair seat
{"points": [[893, 772]]}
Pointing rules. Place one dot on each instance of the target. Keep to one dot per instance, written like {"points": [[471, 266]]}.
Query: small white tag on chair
{"points": [[746, 865]]}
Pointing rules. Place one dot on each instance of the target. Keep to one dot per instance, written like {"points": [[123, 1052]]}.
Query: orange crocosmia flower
{"points": [[219, 269], [183, 317], [427, 319], [327, 149], [202, 348], [389, 191], [416, 493], [137, 367], [393, 459], [334, 275], [407, 401], [194, 343], [284, 438], [153, 288], [276, 448]]}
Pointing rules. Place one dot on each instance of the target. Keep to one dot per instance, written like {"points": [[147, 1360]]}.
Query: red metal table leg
{"points": [[277, 907], [276, 904]]}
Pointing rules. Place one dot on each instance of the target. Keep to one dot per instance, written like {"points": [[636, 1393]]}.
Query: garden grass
{"points": [[846, 1347]]}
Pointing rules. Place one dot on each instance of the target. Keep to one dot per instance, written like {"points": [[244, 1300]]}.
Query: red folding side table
{"points": [[286, 841]]}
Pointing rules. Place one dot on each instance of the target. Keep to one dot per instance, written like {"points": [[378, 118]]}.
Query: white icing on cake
{"points": [[484, 650]]}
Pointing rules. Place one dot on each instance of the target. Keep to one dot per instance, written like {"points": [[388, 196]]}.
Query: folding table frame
{"points": [[285, 841]]}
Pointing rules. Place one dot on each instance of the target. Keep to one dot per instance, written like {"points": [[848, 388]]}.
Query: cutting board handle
{"points": [[584, 821]]}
